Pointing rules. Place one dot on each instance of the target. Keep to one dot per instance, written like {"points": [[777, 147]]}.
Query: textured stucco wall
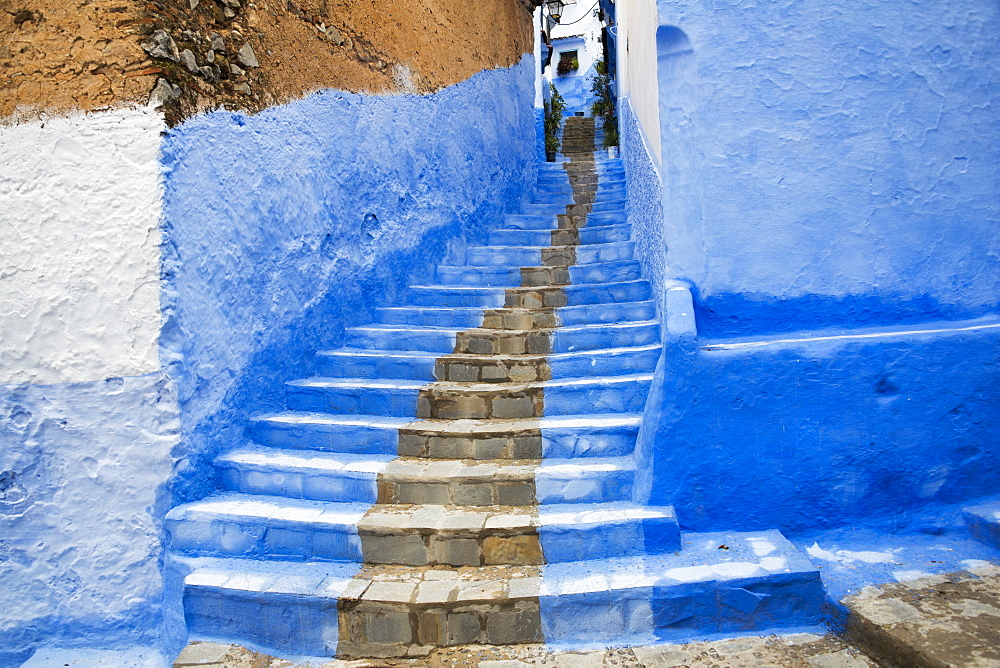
{"points": [[83, 472], [87, 419], [824, 433], [643, 204], [79, 256], [285, 227], [829, 163]]}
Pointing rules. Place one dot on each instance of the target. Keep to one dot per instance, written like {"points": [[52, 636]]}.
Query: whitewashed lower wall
{"points": [[79, 247]]}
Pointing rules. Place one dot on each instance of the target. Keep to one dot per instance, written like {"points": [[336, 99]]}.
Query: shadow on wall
{"points": [[284, 228]]}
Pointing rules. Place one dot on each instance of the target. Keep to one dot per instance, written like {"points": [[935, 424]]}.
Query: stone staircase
{"points": [[462, 471], [579, 135]]}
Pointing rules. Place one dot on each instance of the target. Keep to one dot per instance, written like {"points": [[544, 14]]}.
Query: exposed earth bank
{"points": [[60, 56]]}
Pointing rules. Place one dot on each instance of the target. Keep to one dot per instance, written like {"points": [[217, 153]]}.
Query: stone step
{"points": [[757, 582], [563, 437], [603, 201], [569, 338], [482, 401], [484, 341], [390, 612], [253, 525], [526, 297], [551, 436], [510, 276], [505, 482], [470, 317], [298, 474], [549, 221], [289, 607], [587, 235], [424, 535], [486, 401], [983, 520], [526, 368], [533, 256], [602, 189]]}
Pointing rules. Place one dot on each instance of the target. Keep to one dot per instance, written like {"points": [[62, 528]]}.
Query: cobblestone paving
{"points": [[800, 650]]}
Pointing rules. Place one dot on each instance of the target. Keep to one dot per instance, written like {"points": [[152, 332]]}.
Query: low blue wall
{"points": [[822, 433], [831, 163], [83, 471], [283, 228]]}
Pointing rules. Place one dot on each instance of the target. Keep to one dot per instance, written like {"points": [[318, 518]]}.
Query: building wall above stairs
{"points": [[831, 164]]}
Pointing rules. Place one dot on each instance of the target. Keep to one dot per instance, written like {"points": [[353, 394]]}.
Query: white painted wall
{"points": [[79, 256], [578, 21], [636, 30]]}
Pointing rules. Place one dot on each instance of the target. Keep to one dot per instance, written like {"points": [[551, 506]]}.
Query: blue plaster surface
{"points": [[932, 542], [831, 164], [643, 204], [823, 430], [284, 228], [84, 468], [717, 583]]}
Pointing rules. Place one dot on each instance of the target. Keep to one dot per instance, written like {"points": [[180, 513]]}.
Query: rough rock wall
{"points": [[58, 56]]}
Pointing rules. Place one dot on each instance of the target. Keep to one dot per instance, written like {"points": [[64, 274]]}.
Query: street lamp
{"points": [[555, 9]]}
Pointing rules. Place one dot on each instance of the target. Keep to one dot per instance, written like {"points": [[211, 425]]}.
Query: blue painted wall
{"points": [[831, 163], [812, 434], [83, 471], [827, 170], [282, 229]]}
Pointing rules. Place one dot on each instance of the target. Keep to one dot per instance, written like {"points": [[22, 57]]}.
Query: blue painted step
{"points": [[472, 317], [251, 525], [529, 256], [585, 480], [373, 363], [760, 583], [983, 520], [511, 276], [320, 476], [584, 531], [588, 235], [288, 606], [544, 221], [562, 436], [363, 434], [566, 396], [563, 339], [495, 297], [354, 396], [605, 361]]}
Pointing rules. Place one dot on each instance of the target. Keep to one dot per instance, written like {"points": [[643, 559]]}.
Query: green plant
{"points": [[567, 63], [604, 104], [553, 119]]}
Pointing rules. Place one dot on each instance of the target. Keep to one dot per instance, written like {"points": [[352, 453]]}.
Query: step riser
{"points": [[475, 548], [288, 623], [460, 492], [523, 319], [394, 402], [551, 222], [586, 236], [445, 404], [571, 295], [338, 486], [403, 339], [619, 363], [489, 370], [576, 295], [589, 487], [559, 442], [648, 615], [400, 368], [348, 439], [264, 538], [427, 317], [432, 297], [485, 342], [576, 542], [385, 630]]}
